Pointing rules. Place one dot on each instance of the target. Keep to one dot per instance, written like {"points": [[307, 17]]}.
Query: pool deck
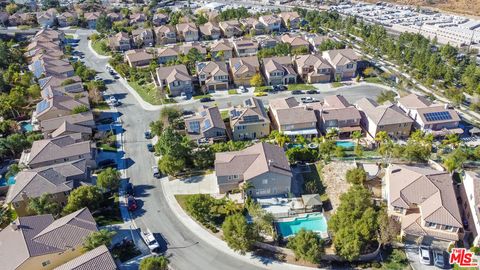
{"points": [[323, 234]]}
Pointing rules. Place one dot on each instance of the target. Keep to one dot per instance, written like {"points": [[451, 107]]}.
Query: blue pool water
{"points": [[26, 126], [294, 145], [5, 182], [313, 222], [345, 144]]}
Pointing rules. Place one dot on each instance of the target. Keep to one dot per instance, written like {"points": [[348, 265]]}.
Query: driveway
{"points": [[411, 249], [202, 184]]}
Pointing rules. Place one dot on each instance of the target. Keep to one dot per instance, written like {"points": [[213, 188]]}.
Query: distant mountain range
{"points": [[469, 7]]}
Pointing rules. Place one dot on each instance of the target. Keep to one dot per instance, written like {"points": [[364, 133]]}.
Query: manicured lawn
{"points": [[262, 89], [336, 84], [181, 199], [148, 92], [373, 80], [107, 147], [69, 36], [101, 106], [110, 213], [232, 92], [97, 46], [202, 96], [300, 86]]}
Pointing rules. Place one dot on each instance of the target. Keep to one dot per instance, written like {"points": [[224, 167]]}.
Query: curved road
{"points": [[186, 250]]}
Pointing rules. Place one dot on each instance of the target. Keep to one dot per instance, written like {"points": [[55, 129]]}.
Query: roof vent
{"points": [[396, 170]]}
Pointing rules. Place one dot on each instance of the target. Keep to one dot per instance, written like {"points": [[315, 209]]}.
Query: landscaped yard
{"points": [[99, 46], [148, 93], [262, 89], [312, 183], [202, 96], [109, 213], [100, 106], [336, 84], [232, 92], [373, 80], [300, 86]]}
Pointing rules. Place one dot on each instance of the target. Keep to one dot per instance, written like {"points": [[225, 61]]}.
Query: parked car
{"points": [[107, 163], [206, 99], [156, 172], [297, 92], [279, 87], [131, 203], [425, 255], [147, 134], [311, 92], [243, 89], [150, 147], [183, 96], [187, 112], [260, 94], [113, 101], [440, 260], [150, 240], [309, 100], [130, 190]]}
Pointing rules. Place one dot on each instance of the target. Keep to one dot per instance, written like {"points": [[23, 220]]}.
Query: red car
{"points": [[131, 203]]}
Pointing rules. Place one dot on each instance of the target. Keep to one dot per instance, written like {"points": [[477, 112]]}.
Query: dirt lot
{"points": [[333, 177]]}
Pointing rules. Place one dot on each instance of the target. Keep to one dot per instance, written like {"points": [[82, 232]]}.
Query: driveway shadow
{"points": [[193, 179]]}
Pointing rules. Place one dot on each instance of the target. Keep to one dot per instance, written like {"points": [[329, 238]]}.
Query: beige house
{"points": [[231, 28], [98, 259], [40, 242], [187, 32], [470, 195], [55, 125], [143, 37], [296, 42], [206, 126], [253, 26], [212, 75], [57, 180], [249, 121], [167, 54], [387, 117], [245, 47], [279, 70], [139, 58], [291, 20], [186, 47], [337, 113], [243, 69], [344, 62], [263, 165], [59, 105], [67, 18], [313, 68], [292, 118], [119, 42], [210, 31], [165, 34], [159, 19], [53, 151], [221, 50], [425, 202], [137, 18], [273, 23], [437, 119], [174, 79]]}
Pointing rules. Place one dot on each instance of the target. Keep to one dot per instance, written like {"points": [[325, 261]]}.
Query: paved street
{"points": [[184, 249]]}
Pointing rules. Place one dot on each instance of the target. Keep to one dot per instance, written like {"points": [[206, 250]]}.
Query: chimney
{"points": [[14, 225]]}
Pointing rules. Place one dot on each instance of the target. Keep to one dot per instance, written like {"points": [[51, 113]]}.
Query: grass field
{"points": [[262, 89], [300, 86], [337, 84], [97, 46], [148, 93], [202, 96], [232, 92]]}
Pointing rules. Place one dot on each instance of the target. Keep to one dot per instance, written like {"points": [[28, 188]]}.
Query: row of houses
{"points": [[239, 71], [292, 118], [49, 18]]}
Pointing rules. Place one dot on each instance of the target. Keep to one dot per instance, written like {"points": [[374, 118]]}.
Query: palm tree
{"points": [[246, 186], [452, 140], [381, 137], [357, 136], [332, 133], [281, 139], [230, 207]]}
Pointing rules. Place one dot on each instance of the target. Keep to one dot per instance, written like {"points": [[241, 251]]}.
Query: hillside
{"points": [[469, 7]]}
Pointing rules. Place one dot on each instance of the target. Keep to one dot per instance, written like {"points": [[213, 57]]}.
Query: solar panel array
{"points": [[42, 106], [207, 124], [437, 116]]}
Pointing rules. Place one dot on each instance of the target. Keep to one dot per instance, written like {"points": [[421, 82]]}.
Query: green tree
{"points": [[103, 24], [339, 152], [80, 109], [386, 96], [84, 196], [109, 179], [280, 138], [307, 246], [156, 127], [256, 80], [170, 114], [96, 239], [34, 91], [154, 263], [203, 157], [11, 8], [45, 204], [356, 176], [327, 148], [171, 165], [201, 19], [452, 140], [357, 136], [389, 227], [238, 234]]}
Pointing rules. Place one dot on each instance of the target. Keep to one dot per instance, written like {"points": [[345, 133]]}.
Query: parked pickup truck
{"points": [[150, 240], [309, 100]]}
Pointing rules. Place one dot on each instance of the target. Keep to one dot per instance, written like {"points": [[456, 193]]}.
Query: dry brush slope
{"points": [[470, 7]]}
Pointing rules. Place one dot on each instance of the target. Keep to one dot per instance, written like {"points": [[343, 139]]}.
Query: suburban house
{"points": [[67, 18], [253, 26], [187, 32], [210, 31], [174, 80], [266, 42], [387, 117], [206, 126], [139, 58], [165, 34], [74, 90], [115, 16], [186, 47], [91, 19], [58, 124], [159, 19], [470, 202], [213, 75], [58, 105], [57, 180], [438, 119], [316, 40], [137, 18], [291, 118], [55, 81], [344, 62], [98, 258], [143, 37], [291, 20], [273, 23], [245, 47], [166, 54], [45, 67], [425, 202], [48, 152], [221, 50], [279, 70], [297, 43], [263, 165], [119, 42], [243, 69], [47, 18], [337, 113], [41, 242], [231, 28], [249, 121], [313, 68]]}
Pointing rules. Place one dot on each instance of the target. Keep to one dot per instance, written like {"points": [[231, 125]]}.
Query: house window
{"points": [[397, 209], [265, 181], [449, 228], [350, 66], [45, 263]]}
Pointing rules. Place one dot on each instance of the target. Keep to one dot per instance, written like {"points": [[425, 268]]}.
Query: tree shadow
{"points": [[141, 190]]}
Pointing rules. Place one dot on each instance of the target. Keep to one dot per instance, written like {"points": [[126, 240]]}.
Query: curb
{"points": [[94, 52]]}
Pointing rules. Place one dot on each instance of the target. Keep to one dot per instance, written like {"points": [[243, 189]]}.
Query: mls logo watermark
{"points": [[462, 257]]}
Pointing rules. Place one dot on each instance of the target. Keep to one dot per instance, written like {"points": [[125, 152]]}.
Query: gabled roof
{"points": [[173, 73], [253, 161], [288, 111], [98, 259], [166, 52], [294, 40], [316, 61], [138, 55], [212, 68], [184, 27], [244, 64], [186, 47], [221, 45], [55, 123], [387, 114], [251, 107], [414, 101], [280, 63], [57, 148], [67, 128], [65, 103], [342, 56]]}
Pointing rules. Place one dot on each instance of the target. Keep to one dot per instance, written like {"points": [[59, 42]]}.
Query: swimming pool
{"points": [[26, 126], [311, 222], [294, 145], [345, 144], [5, 182]]}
